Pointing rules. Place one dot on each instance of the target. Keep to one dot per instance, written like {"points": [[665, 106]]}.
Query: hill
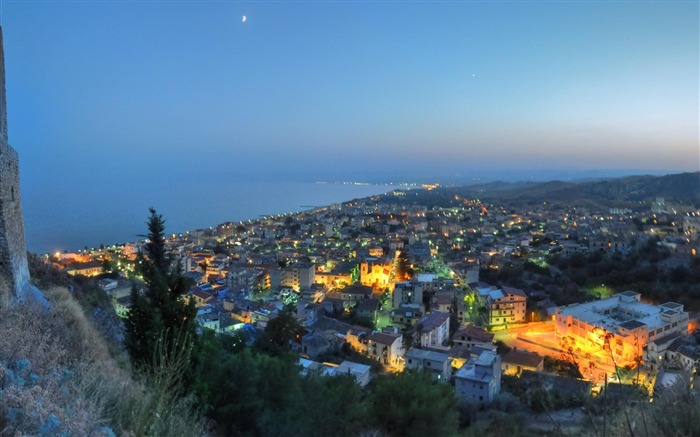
{"points": [[683, 188]]}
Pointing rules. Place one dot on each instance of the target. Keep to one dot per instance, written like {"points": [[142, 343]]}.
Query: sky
{"points": [[110, 97]]}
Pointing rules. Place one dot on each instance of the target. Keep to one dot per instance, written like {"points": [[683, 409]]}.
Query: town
{"points": [[470, 292]]}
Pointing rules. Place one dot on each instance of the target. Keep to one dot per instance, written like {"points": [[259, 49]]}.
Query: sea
{"points": [[79, 218]]}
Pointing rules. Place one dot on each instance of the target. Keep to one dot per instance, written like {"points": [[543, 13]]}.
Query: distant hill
{"points": [[681, 188]]}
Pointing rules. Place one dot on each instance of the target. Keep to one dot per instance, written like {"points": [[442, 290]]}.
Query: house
{"points": [[433, 329], [407, 314], [361, 372], [506, 306], [438, 364], [674, 351], [479, 380], [309, 311], [461, 355], [470, 336], [368, 309], [655, 355], [442, 302], [199, 297], [90, 268], [297, 276], [319, 342], [209, 321], [407, 293], [356, 337], [355, 292], [107, 284], [122, 305], [342, 275], [387, 349], [515, 361]]}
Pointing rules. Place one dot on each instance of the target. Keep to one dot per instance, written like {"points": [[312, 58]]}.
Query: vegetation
{"points": [[57, 378], [411, 404], [159, 319], [584, 277]]}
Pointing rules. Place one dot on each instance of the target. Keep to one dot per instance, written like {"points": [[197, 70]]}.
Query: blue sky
{"points": [[106, 95], [115, 106]]}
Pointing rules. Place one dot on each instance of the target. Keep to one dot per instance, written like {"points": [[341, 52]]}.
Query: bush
{"points": [[57, 378]]}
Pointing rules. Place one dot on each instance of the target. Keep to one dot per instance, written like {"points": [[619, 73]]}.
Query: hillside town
{"points": [[385, 284]]}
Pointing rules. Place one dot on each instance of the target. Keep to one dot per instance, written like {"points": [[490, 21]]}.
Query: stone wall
{"points": [[13, 251]]}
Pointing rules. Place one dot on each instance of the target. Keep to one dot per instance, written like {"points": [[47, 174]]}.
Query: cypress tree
{"points": [[160, 319]]}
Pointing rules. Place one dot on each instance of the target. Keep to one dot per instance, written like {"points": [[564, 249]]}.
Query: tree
{"points": [[455, 321], [159, 318], [404, 271], [411, 404], [279, 332]]}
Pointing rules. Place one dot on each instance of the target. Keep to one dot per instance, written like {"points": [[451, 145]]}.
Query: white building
{"points": [[387, 349], [479, 380], [623, 321], [434, 329], [439, 365]]}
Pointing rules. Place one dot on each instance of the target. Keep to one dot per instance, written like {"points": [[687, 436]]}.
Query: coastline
{"points": [[74, 224]]}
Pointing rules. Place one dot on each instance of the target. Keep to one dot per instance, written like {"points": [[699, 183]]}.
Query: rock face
{"points": [[13, 251]]}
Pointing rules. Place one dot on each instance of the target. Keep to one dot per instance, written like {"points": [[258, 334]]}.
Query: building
{"points": [[368, 309], [376, 272], [407, 293], [433, 329], [479, 380], [622, 321], [361, 372], [107, 284], [506, 306], [407, 315], [387, 349], [438, 364], [297, 276], [515, 361], [356, 337], [209, 321], [470, 336], [343, 274], [91, 268], [676, 351], [356, 293]]}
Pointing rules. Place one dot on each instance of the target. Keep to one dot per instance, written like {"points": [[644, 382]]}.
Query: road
{"points": [[540, 338]]}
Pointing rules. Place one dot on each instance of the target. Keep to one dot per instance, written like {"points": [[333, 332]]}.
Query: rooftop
{"points": [[624, 310], [422, 354], [433, 320]]}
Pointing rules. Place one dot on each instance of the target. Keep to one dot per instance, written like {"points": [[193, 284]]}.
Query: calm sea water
{"points": [[90, 217]]}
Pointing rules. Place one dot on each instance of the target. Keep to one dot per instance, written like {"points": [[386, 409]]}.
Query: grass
{"points": [[57, 377]]}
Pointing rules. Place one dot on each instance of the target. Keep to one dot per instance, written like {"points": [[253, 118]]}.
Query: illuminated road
{"points": [[540, 338]]}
